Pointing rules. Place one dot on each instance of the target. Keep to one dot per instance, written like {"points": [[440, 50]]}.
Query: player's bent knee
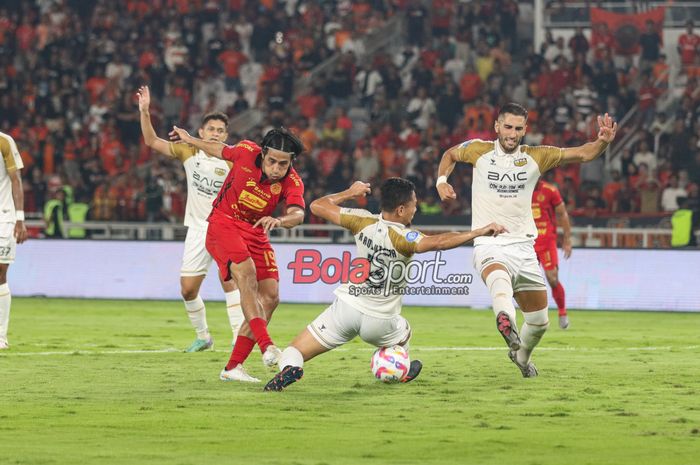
{"points": [[538, 318], [189, 293], [500, 287]]}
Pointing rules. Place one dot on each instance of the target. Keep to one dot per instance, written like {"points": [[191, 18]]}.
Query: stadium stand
{"points": [[70, 72]]}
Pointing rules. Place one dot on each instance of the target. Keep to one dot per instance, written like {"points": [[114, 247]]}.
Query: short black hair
{"points": [[394, 193], [282, 139], [514, 109], [217, 116]]}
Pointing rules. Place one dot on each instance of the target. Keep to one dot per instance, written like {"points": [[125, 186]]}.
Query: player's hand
{"points": [[446, 192], [144, 96], [359, 189], [493, 229], [566, 245], [607, 128], [268, 223], [179, 135], [20, 232]]}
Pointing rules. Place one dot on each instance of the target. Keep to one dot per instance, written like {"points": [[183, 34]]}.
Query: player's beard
{"points": [[502, 141]]}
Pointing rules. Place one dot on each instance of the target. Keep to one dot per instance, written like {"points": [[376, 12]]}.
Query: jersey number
{"points": [[269, 256]]}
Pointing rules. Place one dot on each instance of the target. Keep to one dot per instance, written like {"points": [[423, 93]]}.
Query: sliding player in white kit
{"points": [[205, 176], [12, 228], [374, 316], [505, 175]]}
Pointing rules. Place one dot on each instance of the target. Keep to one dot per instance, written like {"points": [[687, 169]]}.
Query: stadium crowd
{"points": [[71, 69]]}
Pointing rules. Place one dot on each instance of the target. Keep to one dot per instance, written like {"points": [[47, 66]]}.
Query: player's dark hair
{"points": [[284, 140], [217, 116], [513, 109], [395, 192]]}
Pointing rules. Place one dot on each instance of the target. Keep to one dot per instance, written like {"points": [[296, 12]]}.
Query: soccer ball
{"points": [[390, 364]]}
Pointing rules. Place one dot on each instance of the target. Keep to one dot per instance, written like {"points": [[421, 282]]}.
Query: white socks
{"points": [[533, 329], [235, 311], [198, 316], [501, 290], [291, 357], [5, 300]]}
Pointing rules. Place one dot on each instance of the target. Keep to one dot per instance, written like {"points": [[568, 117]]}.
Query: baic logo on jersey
{"points": [[205, 181], [252, 201], [519, 176]]}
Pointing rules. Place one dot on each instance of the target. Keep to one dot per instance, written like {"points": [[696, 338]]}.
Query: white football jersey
{"points": [[503, 184], [11, 163], [381, 242], [205, 176]]}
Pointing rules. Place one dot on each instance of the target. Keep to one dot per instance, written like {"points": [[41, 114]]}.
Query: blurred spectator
{"points": [[671, 194]]}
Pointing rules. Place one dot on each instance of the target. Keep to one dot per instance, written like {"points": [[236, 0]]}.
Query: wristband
{"points": [[441, 180], [19, 215]]}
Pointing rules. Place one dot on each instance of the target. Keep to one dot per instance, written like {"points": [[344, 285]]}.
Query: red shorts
{"points": [[546, 250], [231, 241]]}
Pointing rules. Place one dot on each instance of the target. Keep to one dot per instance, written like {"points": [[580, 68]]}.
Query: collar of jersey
{"points": [[381, 218]]}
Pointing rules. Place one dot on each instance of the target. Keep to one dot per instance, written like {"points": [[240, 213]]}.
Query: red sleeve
{"points": [[245, 147], [294, 191], [556, 197]]}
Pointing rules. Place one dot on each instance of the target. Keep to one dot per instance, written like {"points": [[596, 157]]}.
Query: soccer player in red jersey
{"points": [[548, 209], [261, 178]]}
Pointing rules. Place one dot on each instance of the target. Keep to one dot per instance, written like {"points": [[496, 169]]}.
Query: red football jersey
{"points": [[689, 44], [544, 199], [247, 195]]}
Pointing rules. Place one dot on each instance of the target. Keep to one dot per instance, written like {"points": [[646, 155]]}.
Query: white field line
{"points": [[170, 350]]}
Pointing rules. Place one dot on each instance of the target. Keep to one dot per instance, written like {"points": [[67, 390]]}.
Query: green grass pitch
{"points": [[92, 382]]}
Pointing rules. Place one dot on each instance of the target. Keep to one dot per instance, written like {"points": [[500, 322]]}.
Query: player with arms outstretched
{"points": [[12, 228], [548, 210], [205, 176], [505, 174], [262, 177], [374, 316]]}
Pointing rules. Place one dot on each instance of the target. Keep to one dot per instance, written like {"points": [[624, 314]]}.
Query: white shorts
{"points": [[340, 323], [519, 259], [8, 243], [195, 260]]}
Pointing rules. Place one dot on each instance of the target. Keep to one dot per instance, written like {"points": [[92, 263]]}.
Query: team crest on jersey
{"points": [[540, 198], [276, 188], [411, 236], [219, 171], [520, 162], [252, 201]]}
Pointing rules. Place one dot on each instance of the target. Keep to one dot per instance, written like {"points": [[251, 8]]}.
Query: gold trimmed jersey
{"points": [[382, 243], [205, 176], [503, 184], [11, 162]]}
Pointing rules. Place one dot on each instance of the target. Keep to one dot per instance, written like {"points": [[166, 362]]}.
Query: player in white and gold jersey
{"points": [[505, 175], [205, 176], [366, 308], [12, 228]]}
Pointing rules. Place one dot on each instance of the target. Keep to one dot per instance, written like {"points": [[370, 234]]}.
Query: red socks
{"points": [[560, 298], [241, 349], [259, 328]]}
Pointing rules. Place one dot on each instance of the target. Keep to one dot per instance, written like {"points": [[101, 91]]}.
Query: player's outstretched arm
{"points": [[149, 134], [592, 150], [455, 239], [213, 148], [563, 220], [328, 207], [447, 164], [18, 199]]}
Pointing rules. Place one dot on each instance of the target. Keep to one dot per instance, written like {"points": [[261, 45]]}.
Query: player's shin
{"points": [[235, 312], [241, 350], [291, 356], [5, 301], [560, 298], [501, 290], [197, 313], [536, 324]]}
